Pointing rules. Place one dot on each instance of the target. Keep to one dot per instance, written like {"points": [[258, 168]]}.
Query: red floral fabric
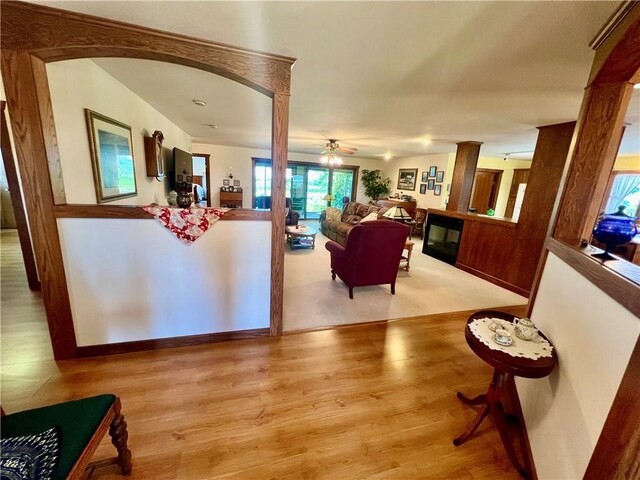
{"points": [[188, 224]]}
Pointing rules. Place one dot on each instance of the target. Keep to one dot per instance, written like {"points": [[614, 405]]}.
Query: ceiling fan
{"points": [[330, 154]]}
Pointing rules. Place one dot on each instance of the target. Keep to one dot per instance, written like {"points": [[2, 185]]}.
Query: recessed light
{"points": [[426, 141], [387, 156], [200, 103]]}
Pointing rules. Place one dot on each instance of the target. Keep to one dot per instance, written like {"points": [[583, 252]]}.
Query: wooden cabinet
{"points": [[230, 199]]}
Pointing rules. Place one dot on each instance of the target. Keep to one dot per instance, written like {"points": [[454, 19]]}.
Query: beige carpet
{"points": [[312, 299]]}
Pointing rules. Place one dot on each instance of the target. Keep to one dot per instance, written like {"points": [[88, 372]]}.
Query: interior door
{"points": [[520, 175], [485, 190]]}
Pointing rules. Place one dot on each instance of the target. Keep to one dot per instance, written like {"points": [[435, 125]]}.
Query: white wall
{"points": [[422, 163], [239, 159], [133, 280], [594, 337], [79, 84]]}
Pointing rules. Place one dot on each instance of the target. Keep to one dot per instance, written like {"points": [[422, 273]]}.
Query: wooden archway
{"points": [[32, 35]]}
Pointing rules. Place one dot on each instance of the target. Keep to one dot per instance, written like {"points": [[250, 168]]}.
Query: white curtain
{"points": [[623, 185]]}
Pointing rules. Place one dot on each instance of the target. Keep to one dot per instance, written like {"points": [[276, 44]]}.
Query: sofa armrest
{"points": [[335, 248], [323, 216], [294, 217]]}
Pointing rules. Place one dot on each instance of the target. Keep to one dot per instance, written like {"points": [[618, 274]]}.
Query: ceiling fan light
{"points": [[324, 159]]}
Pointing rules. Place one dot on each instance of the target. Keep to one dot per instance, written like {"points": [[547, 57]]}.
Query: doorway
{"points": [[520, 177], [486, 186], [202, 177]]}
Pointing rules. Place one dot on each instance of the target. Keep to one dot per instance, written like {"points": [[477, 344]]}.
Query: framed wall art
{"points": [[225, 182], [432, 171], [236, 183], [425, 177], [440, 176], [407, 178], [423, 187], [431, 184], [437, 191], [111, 145]]}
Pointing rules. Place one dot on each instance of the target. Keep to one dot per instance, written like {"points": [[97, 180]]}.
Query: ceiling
{"points": [[381, 76]]}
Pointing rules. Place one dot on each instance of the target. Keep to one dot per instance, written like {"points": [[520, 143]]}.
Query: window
{"points": [[623, 193]]}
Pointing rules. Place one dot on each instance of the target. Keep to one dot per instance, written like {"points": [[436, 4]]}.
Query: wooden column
{"points": [[279, 148], [26, 88], [597, 141], [464, 172], [18, 207]]}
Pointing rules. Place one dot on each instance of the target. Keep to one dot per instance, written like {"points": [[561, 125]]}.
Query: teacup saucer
{"points": [[500, 342]]}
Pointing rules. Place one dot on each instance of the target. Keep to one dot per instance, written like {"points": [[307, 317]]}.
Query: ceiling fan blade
{"points": [[348, 150]]}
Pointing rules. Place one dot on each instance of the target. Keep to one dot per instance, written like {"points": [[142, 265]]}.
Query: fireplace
{"points": [[442, 238]]}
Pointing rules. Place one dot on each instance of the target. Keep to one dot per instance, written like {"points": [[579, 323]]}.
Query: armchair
{"points": [[82, 425], [371, 255], [292, 217]]}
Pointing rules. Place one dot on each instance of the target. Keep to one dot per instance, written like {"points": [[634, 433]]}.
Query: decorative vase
{"points": [[614, 230], [172, 198], [184, 200]]}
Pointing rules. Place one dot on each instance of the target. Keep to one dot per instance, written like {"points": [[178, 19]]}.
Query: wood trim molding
{"points": [[474, 217], [15, 190], [617, 286], [170, 342], [616, 453], [52, 35], [492, 279], [32, 138], [279, 149], [34, 34], [137, 212]]}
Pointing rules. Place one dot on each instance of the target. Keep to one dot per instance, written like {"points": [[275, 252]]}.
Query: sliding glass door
{"points": [[307, 186]]}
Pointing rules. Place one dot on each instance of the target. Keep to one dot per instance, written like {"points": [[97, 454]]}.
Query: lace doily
{"points": [[533, 349]]}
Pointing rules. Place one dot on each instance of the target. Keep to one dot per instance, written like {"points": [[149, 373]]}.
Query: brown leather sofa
{"points": [[352, 214]]}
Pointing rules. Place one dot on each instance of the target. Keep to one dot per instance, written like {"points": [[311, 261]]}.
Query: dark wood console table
{"points": [[505, 367]]}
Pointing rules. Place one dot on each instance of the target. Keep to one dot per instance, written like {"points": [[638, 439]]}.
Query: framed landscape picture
{"points": [[407, 178], [432, 172], [431, 184], [425, 176], [423, 187], [111, 146], [437, 191], [440, 176]]}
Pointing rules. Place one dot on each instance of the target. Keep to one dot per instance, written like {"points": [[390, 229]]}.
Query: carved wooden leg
{"points": [[479, 400], [393, 288], [474, 426], [501, 422], [119, 436], [351, 293], [333, 275]]}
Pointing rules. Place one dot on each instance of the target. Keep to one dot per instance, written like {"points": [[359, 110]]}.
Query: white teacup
{"points": [[496, 324], [503, 336]]}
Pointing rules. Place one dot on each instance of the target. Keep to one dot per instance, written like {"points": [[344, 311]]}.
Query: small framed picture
{"points": [[407, 178], [236, 183], [225, 182], [437, 191], [425, 176], [440, 176], [423, 186], [431, 184], [432, 172]]}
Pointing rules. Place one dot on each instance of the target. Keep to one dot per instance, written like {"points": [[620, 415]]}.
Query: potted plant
{"points": [[375, 185]]}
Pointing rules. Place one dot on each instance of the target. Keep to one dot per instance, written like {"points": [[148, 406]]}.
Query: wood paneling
{"points": [[126, 347], [464, 172], [507, 253], [137, 212], [617, 286], [616, 453], [19, 212], [597, 142], [53, 35], [497, 221], [520, 175], [279, 148], [24, 94]]}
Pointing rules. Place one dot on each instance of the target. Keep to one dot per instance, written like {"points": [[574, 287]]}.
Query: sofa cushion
{"points": [[351, 219], [350, 209], [362, 210], [370, 218], [333, 214]]}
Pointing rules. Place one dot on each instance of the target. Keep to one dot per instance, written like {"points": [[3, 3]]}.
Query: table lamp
{"points": [[398, 214], [329, 198]]}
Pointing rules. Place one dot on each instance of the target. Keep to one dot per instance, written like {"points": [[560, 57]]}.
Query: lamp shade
{"points": [[329, 198], [397, 213]]}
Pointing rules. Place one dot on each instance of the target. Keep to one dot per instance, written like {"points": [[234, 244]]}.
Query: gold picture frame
{"points": [[111, 146]]}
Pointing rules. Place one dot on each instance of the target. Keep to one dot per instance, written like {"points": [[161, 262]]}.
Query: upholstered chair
{"points": [[371, 255]]}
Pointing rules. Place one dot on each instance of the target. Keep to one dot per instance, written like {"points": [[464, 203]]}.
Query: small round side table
{"points": [[505, 367]]}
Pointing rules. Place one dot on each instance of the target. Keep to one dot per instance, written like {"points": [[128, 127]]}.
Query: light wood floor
{"points": [[374, 401]]}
